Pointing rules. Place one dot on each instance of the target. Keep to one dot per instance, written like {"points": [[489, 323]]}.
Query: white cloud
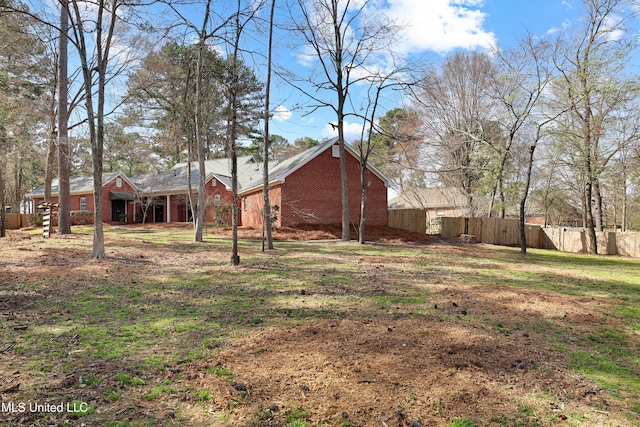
{"points": [[440, 25], [281, 113], [565, 25], [352, 131], [567, 4]]}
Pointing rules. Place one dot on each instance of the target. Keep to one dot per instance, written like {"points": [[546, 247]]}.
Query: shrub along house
{"points": [[305, 188]]}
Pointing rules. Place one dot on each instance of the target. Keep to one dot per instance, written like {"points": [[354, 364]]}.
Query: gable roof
{"points": [[175, 180], [282, 170], [80, 184], [429, 198]]}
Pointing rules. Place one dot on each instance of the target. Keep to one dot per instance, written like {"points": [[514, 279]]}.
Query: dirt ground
{"points": [[309, 233], [392, 368]]}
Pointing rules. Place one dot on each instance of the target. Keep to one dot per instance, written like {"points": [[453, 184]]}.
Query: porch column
{"points": [[168, 208], [134, 212]]}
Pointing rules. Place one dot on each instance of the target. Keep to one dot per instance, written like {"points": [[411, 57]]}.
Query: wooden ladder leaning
{"points": [[46, 219]]}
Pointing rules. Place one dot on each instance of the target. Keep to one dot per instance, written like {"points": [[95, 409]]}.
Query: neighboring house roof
{"points": [[429, 198], [80, 184], [281, 171]]}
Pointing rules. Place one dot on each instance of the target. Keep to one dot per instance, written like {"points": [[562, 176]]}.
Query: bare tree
{"points": [[240, 20], [199, 138], [592, 86], [266, 213], [524, 77], [343, 35], [366, 146], [3, 211], [64, 191], [146, 201], [459, 115], [94, 32]]}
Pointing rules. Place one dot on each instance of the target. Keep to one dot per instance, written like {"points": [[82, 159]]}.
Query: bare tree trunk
{"points": [[3, 210], [340, 89], [53, 134], [64, 192], [232, 135], [599, 214], [523, 202], [51, 159], [266, 211], [503, 202], [96, 118], [363, 204], [590, 226], [192, 206], [624, 202], [199, 138], [346, 231], [17, 193], [3, 144]]}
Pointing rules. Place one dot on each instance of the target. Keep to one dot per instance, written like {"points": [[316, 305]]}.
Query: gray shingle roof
{"points": [[77, 184], [279, 172], [175, 179]]}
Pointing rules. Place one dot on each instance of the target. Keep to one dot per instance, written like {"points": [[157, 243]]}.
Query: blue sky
{"points": [[433, 29]]}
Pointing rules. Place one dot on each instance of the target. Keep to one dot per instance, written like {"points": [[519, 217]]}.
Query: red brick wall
{"points": [[226, 199], [252, 215], [106, 203], [74, 200], [313, 194]]}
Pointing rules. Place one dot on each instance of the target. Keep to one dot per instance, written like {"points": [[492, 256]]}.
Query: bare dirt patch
{"points": [[309, 232], [392, 373]]}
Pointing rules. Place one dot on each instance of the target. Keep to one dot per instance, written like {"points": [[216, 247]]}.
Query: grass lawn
{"points": [[165, 332]]}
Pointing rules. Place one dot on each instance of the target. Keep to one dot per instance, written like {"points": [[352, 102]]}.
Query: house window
{"points": [[335, 151], [83, 203], [246, 205], [216, 200], [214, 182], [119, 182], [440, 212]]}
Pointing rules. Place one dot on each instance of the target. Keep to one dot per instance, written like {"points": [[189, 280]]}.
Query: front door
{"points": [[158, 212], [117, 211]]}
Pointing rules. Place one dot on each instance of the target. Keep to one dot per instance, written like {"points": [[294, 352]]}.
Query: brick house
{"points": [[118, 196], [306, 188]]}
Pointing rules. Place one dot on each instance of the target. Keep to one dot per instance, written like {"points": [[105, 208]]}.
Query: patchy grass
{"points": [[166, 325]]}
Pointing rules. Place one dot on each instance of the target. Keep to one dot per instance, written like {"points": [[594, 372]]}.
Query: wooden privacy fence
{"points": [[409, 219], [14, 221], [576, 241], [506, 232], [495, 231]]}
